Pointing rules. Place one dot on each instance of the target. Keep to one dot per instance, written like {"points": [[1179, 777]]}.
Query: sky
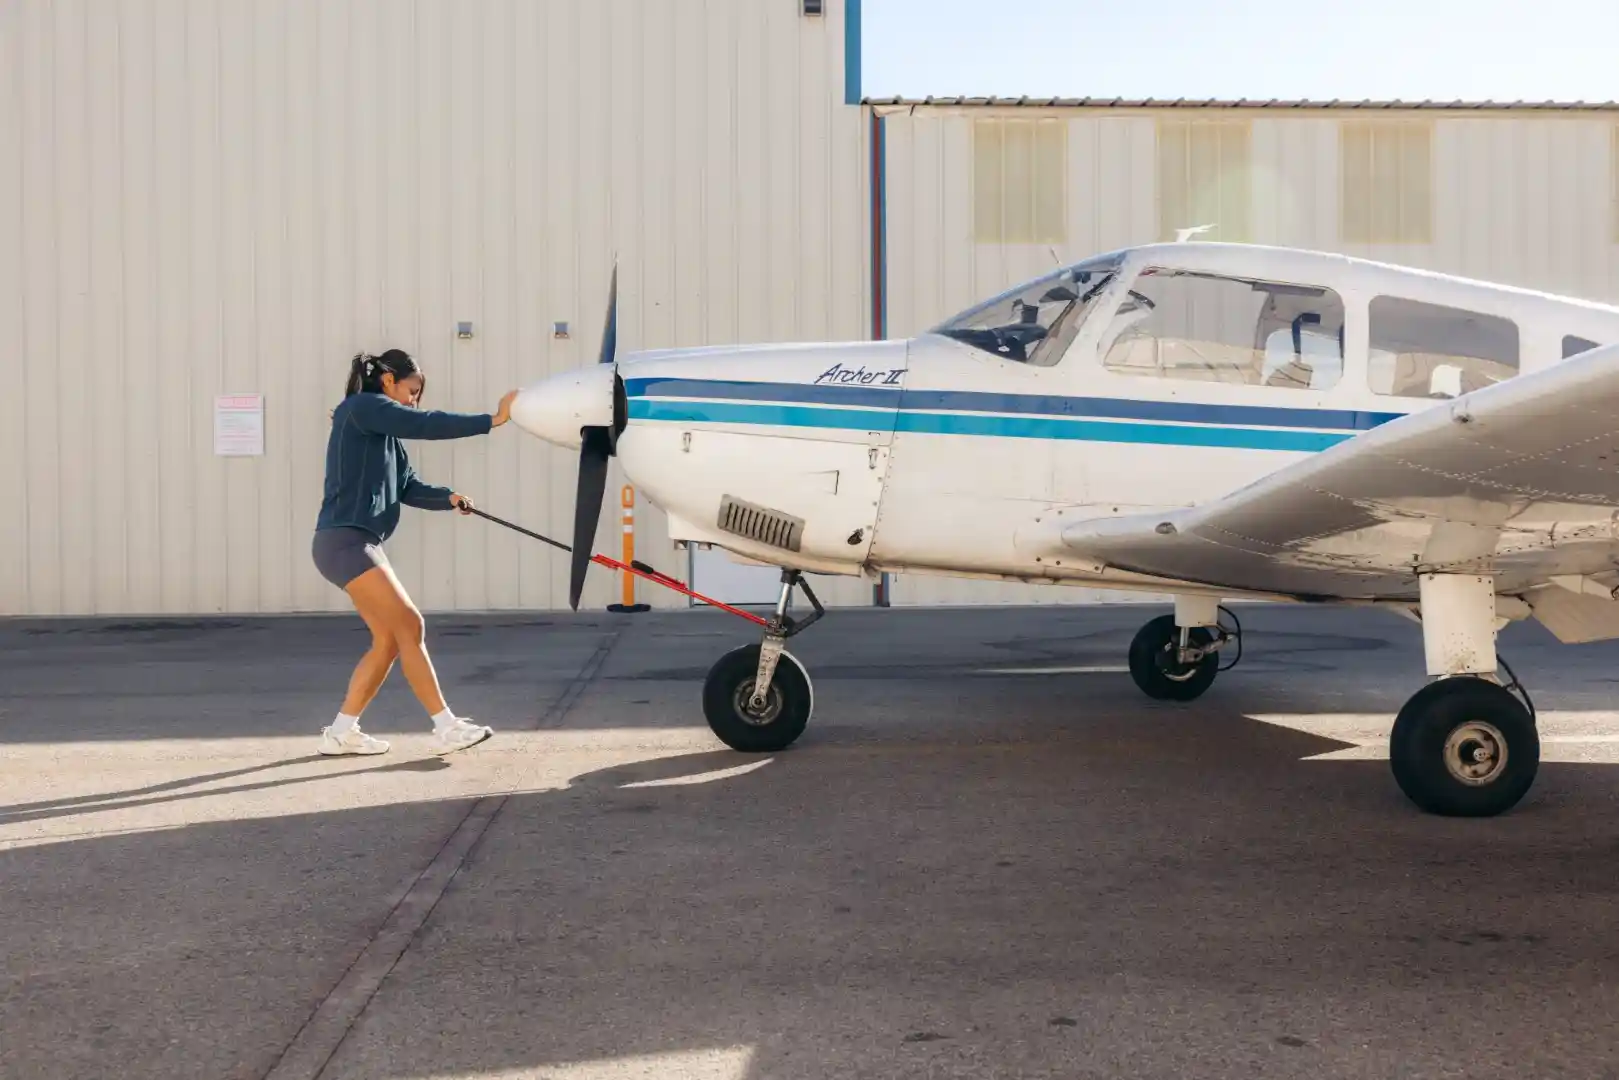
{"points": [[1502, 50]]}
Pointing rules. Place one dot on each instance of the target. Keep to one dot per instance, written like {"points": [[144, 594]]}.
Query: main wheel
{"points": [[727, 702], [1464, 747], [1156, 668]]}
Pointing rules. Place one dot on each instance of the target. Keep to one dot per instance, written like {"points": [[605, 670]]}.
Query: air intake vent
{"points": [[756, 523]]}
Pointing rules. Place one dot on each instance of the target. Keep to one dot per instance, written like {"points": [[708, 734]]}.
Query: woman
{"points": [[368, 476]]}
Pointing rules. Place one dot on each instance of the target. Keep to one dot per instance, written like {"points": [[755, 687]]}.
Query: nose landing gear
{"points": [[758, 698]]}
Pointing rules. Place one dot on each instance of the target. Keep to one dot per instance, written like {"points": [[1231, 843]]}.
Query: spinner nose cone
{"points": [[556, 409]]}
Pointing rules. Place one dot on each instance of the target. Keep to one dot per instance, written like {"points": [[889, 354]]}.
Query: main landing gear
{"points": [[758, 698], [1176, 657], [1465, 745]]}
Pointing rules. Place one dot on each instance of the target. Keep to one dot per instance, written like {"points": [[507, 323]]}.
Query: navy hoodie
{"points": [[368, 473]]}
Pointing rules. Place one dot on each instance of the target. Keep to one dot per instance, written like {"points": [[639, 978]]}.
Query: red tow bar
{"points": [[638, 568], [642, 570]]}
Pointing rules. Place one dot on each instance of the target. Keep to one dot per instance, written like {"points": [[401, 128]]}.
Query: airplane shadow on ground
{"points": [[223, 679], [1033, 896]]}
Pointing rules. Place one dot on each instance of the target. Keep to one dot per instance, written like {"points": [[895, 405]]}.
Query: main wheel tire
{"points": [[729, 687], [1157, 672], [1464, 747]]}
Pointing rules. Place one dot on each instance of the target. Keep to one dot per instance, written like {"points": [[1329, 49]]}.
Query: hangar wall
{"points": [[977, 196], [203, 197]]}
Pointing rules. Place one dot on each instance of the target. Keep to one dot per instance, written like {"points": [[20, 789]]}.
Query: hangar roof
{"points": [[1247, 103]]}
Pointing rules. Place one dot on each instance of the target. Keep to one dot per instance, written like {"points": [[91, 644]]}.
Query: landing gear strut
{"points": [[758, 698], [1465, 745]]}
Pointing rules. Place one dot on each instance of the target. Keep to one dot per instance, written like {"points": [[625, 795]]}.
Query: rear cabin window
{"points": [[1573, 346], [1421, 350], [1199, 327]]}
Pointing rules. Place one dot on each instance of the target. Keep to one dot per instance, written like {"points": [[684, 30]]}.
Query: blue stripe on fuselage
{"points": [[1009, 427], [720, 390], [959, 401]]}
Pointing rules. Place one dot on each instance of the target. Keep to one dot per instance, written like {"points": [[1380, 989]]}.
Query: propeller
{"points": [[597, 445]]}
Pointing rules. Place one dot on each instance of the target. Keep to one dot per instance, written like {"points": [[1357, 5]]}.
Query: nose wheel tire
{"points": [[727, 702], [1156, 668], [1464, 747]]}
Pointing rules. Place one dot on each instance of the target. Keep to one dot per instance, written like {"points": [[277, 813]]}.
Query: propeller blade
{"points": [[599, 443], [609, 354], [621, 414], [587, 507], [610, 334]]}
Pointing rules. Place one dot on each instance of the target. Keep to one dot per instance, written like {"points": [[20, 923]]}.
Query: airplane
{"points": [[1212, 421]]}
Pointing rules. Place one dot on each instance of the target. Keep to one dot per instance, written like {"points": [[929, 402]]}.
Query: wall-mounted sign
{"points": [[239, 425]]}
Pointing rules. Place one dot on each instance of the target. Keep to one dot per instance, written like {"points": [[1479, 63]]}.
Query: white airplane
{"points": [[1211, 421]]}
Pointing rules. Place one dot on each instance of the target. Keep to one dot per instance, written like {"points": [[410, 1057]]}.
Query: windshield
{"points": [[1035, 322]]}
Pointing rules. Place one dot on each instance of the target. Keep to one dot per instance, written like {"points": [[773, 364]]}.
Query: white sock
{"points": [[443, 720], [344, 724]]}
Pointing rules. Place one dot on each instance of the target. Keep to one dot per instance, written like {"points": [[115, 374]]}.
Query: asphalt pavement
{"points": [[989, 856]]}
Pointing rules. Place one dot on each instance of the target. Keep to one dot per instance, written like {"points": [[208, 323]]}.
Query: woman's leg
{"points": [[398, 626], [340, 554], [372, 670], [383, 603]]}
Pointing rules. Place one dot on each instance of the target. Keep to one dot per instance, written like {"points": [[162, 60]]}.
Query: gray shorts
{"points": [[343, 554]]}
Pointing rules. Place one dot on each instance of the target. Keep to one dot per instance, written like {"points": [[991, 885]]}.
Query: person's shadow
{"points": [[178, 790]]}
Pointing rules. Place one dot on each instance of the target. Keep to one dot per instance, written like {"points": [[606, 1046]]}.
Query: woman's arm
{"points": [[381, 416], [423, 496], [378, 415]]}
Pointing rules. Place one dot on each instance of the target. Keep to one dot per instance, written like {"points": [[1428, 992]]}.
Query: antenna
{"points": [[1183, 235]]}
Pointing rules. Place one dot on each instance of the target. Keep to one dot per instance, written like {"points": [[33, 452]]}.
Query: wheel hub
{"points": [[1476, 753], [742, 701], [1170, 666]]}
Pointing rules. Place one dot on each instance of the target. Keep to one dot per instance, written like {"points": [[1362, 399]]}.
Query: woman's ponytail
{"points": [[358, 370], [366, 371]]}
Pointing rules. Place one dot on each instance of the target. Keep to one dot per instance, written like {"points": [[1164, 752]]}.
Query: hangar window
{"points": [[1036, 322], [1020, 181], [1430, 351], [1204, 170], [1198, 327]]}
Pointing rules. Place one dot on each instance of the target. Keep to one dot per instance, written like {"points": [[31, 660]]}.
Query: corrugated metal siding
{"points": [[1523, 198], [201, 196]]}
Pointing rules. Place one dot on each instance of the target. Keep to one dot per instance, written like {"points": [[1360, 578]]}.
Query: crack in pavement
{"points": [[323, 1033]]}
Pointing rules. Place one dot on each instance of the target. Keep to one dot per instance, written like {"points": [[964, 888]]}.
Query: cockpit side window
{"points": [[1574, 345], [1035, 323], [1418, 349], [1202, 327]]}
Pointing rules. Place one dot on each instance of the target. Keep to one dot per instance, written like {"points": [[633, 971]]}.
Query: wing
{"points": [[1519, 480]]}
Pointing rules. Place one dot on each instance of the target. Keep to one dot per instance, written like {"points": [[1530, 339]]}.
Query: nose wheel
{"points": [[758, 698], [773, 723]]}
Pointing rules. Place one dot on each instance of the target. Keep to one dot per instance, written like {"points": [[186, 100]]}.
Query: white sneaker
{"points": [[460, 735], [352, 741]]}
